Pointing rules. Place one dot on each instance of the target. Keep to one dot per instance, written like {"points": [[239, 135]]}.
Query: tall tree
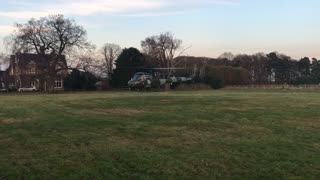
{"points": [[261, 71], [48, 35], [163, 48], [110, 53], [86, 60], [281, 67], [128, 63], [304, 66], [315, 72]]}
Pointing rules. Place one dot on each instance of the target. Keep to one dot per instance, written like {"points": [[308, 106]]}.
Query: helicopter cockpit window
{"points": [[136, 77]]}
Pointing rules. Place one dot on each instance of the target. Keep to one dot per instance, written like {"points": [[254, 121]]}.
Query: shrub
{"points": [[219, 76], [155, 83], [214, 78]]}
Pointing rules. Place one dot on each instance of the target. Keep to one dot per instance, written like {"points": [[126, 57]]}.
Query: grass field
{"points": [[225, 134]]}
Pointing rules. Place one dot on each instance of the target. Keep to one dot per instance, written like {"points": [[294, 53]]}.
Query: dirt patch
{"points": [[169, 100], [10, 120], [165, 100], [241, 109], [119, 112], [235, 109]]}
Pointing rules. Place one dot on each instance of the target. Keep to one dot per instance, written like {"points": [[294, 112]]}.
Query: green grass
{"points": [[225, 134]]}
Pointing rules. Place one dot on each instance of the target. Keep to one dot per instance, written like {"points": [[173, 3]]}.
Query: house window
{"points": [[58, 67], [58, 84], [31, 70]]}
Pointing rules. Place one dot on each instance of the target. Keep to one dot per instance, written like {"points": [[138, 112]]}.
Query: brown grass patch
{"points": [[301, 105], [316, 145], [121, 141], [118, 112], [250, 131], [187, 137], [178, 136], [201, 122], [170, 130], [243, 108], [300, 123]]}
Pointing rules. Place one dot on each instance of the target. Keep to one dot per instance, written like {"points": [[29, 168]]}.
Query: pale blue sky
{"points": [[211, 27]]}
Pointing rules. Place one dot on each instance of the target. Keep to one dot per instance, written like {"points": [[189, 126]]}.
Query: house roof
{"points": [[2, 73], [26, 58]]}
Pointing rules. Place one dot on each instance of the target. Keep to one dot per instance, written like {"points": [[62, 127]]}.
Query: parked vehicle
{"points": [[3, 88], [32, 89]]}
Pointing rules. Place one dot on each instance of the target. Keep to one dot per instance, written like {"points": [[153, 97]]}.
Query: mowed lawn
{"points": [[225, 134]]}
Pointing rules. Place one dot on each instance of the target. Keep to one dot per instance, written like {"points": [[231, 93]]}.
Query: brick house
{"points": [[36, 70]]}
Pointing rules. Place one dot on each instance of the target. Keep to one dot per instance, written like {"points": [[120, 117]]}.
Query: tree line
{"points": [[272, 68], [58, 35]]}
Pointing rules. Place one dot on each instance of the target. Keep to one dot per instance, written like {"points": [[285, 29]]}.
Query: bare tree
{"points": [[88, 60], [4, 60], [163, 48], [110, 53], [82, 59], [47, 35]]}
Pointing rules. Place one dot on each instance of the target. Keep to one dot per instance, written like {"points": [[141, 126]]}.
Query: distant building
{"points": [[45, 72]]}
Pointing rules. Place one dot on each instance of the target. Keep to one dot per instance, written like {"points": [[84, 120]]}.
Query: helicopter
{"points": [[158, 79]]}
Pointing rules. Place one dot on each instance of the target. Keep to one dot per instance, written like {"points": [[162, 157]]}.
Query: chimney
{"points": [[12, 64]]}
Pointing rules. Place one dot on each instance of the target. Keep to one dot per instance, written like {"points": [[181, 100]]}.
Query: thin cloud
{"points": [[110, 6], [121, 7], [154, 14], [208, 2], [26, 14]]}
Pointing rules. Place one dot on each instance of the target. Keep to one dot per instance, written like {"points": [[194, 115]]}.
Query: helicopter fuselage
{"points": [[142, 80]]}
